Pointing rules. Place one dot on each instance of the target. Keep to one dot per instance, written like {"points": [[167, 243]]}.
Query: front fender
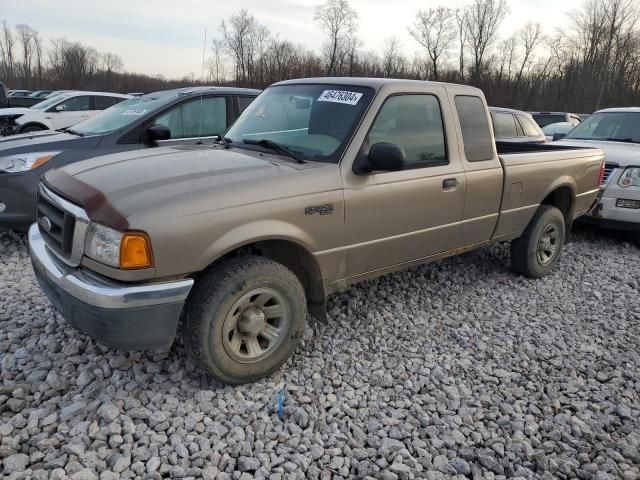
{"points": [[256, 231]]}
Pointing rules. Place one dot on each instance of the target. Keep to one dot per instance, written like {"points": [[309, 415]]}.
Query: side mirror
{"points": [[386, 157], [558, 136], [60, 108], [158, 132]]}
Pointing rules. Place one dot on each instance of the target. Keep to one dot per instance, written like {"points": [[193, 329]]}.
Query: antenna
{"points": [[204, 49]]}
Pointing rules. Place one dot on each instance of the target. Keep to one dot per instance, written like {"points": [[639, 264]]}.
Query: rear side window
{"points": [[505, 125], [476, 134], [102, 103], [530, 128], [76, 104], [414, 123]]}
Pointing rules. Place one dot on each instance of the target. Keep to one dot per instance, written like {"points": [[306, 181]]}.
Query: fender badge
{"points": [[320, 209]]}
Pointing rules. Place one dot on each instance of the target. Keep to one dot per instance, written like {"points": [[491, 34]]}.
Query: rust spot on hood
{"points": [[92, 200]]}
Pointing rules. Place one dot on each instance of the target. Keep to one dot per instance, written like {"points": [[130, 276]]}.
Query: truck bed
{"points": [[532, 172]]}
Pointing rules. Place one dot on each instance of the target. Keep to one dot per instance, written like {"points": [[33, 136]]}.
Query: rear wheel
{"points": [[536, 252], [244, 319]]}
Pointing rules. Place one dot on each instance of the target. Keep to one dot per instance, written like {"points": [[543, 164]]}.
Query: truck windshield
{"points": [[121, 115], [314, 122], [609, 126]]}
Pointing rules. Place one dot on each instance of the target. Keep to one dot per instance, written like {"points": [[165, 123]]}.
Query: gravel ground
{"points": [[458, 369]]}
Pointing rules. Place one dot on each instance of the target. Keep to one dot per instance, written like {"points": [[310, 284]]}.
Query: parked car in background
{"points": [[555, 131], [40, 94], [28, 101], [186, 116], [319, 184], [515, 126], [547, 118], [59, 111], [616, 131], [19, 93]]}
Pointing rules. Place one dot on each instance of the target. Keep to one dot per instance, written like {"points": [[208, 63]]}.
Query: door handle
{"points": [[450, 183]]}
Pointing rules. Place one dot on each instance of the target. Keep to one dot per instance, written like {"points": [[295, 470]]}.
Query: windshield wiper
{"points": [[626, 140], [281, 149], [71, 131]]}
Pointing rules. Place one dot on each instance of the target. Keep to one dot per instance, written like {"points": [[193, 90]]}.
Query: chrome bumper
{"points": [[98, 291]]}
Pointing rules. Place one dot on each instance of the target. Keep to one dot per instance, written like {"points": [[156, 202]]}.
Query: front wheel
{"points": [[536, 252], [244, 318]]}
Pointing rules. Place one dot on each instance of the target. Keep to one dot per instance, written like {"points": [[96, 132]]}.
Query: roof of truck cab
{"points": [[509, 110], [376, 83], [620, 109], [197, 90]]}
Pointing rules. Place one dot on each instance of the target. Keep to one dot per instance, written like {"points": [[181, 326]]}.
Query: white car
{"points": [[556, 131], [56, 112], [617, 132]]}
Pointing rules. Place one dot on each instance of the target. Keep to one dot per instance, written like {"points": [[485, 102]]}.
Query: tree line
{"points": [[594, 62]]}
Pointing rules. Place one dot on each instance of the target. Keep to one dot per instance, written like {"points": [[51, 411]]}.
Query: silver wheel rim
{"points": [[548, 244], [255, 325]]}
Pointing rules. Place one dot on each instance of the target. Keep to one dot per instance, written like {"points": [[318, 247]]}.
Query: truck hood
{"points": [[14, 111], [130, 182], [624, 154]]}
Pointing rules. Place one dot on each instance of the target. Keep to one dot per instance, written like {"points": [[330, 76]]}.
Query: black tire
{"points": [[525, 255], [32, 128], [207, 325]]}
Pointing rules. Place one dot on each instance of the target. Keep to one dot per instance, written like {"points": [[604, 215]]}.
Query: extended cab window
{"points": [[204, 117], [476, 133], [414, 123]]}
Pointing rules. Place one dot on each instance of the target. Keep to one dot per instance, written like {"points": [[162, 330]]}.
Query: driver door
{"points": [[398, 217]]}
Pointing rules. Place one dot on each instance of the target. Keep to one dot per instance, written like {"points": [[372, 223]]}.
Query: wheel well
{"points": [[562, 198], [293, 256], [34, 124]]}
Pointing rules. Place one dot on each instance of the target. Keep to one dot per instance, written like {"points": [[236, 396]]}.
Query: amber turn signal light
{"points": [[135, 251]]}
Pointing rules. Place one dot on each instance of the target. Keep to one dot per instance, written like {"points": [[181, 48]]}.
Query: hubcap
{"points": [[548, 244], [255, 325]]}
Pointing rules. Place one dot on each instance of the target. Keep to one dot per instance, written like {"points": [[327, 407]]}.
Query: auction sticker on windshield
{"points": [[340, 96], [135, 111]]}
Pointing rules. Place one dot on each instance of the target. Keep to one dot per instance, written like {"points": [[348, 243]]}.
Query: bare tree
{"points": [[25, 37], [435, 30], [338, 20], [530, 37], [482, 20], [7, 43], [392, 59], [216, 62]]}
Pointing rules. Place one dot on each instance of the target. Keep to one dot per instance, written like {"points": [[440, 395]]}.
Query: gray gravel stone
{"points": [[458, 369]]}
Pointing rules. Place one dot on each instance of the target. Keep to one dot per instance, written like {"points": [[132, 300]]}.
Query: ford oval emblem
{"points": [[45, 223]]}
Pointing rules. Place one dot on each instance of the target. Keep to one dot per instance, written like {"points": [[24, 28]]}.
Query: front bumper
{"points": [[119, 315], [608, 215]]}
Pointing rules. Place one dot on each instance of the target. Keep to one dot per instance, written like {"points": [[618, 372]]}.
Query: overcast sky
{"points": [[166, 36]]}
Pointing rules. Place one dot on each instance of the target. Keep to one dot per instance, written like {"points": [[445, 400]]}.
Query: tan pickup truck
{"points": [[320, 183]]}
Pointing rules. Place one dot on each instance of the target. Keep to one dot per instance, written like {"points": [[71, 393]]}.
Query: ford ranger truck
{"points": [[319, 184]]}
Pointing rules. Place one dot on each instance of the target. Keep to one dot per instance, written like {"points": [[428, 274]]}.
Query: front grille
{"points": [[56, 225], [608, 170]]}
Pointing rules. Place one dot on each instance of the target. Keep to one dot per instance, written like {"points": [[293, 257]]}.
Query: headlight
{"points": [[126, 250], [630, 178], [25, 161]]}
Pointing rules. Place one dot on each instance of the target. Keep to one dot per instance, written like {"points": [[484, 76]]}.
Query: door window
{"points": [[476, 134], [414, 123], [204, 117], [75, 104], [530, 128]]}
